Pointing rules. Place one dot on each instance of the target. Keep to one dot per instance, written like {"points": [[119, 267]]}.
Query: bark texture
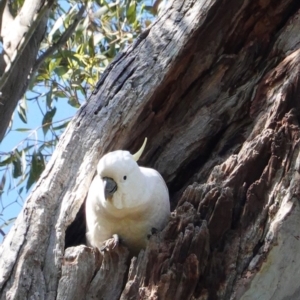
{"points": [[21, 36], [214, 85]]}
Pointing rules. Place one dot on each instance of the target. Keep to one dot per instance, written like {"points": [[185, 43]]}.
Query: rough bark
{"points": [[214, 85]]}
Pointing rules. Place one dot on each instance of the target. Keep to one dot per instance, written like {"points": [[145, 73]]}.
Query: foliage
{"points": [[67, 74]]}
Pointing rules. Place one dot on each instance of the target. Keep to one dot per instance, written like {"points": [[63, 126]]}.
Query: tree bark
{"points": [[21, 36], [214, 85]]}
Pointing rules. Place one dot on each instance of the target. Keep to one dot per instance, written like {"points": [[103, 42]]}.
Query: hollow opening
{"points": [[75, 233]]}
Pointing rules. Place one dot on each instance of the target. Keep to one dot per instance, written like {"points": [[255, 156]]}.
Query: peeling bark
{"points": [[214, 85]]}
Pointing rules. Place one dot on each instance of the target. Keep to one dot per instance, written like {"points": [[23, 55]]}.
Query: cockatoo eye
{"points": [[124, 177]]}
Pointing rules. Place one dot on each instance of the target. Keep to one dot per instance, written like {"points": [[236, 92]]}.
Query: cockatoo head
{"points": [[123, 183]]}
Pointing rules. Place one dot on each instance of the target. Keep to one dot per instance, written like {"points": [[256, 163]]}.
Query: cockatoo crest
{"points": [[125, 200]]}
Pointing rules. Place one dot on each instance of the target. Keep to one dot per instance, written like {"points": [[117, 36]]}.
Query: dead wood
{"points": [[214, 85]]}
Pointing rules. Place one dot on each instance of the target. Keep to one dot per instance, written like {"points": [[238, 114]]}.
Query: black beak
{"points": [[110, 187]]}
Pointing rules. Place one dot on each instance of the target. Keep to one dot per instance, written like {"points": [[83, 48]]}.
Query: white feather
{"points": [[140, 203]]}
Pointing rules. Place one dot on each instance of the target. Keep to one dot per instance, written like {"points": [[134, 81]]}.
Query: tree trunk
{"points": [[214, 85], [21, 36]]}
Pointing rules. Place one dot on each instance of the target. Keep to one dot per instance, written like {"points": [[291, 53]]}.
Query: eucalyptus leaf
{"points": [[17, 167], [6, 161], [62, 126], [47, 120], [2, 183], [22, 114], [36, 168]]}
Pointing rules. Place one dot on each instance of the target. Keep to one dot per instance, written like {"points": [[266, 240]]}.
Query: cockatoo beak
{"points": [[110, 187]]}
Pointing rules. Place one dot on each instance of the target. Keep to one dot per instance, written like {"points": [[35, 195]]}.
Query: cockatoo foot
{"points": [[111, 243], [153, 231]]}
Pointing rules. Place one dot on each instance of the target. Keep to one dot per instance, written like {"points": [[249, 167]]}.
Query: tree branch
{"points": [[21, 43], [62, 40], [15, 43], [5, 15]]}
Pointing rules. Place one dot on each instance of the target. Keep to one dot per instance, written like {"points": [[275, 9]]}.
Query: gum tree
{"points": [[214, 85]]}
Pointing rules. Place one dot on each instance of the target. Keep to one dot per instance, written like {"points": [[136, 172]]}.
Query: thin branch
{"points": [[32, 131], [38, 104], [62, 40]]}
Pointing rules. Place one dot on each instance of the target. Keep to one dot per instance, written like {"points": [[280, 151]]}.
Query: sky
{"points": [[34, 117]]}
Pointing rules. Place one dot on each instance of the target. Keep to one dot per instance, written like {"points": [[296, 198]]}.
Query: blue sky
{"points": [[10, 200]]}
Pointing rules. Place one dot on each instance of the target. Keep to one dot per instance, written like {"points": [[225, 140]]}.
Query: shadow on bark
{"points": [[215, 88]]}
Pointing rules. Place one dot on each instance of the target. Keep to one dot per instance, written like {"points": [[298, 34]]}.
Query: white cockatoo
{"points": [[125, 201]]}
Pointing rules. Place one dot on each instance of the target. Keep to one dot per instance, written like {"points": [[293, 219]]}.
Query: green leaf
{"points": [[59, 23], [17, 167], [37, 167], [2, 183], [60, 71], [22, 112], [64, 125], [49, 98], [23, 129], [54, 63], [91, 46], [6, 161], [28, 147], [20, 190], [42, 77], [73, 101], [47, 120], [131, 12], [23, 157], [59, 94]]}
